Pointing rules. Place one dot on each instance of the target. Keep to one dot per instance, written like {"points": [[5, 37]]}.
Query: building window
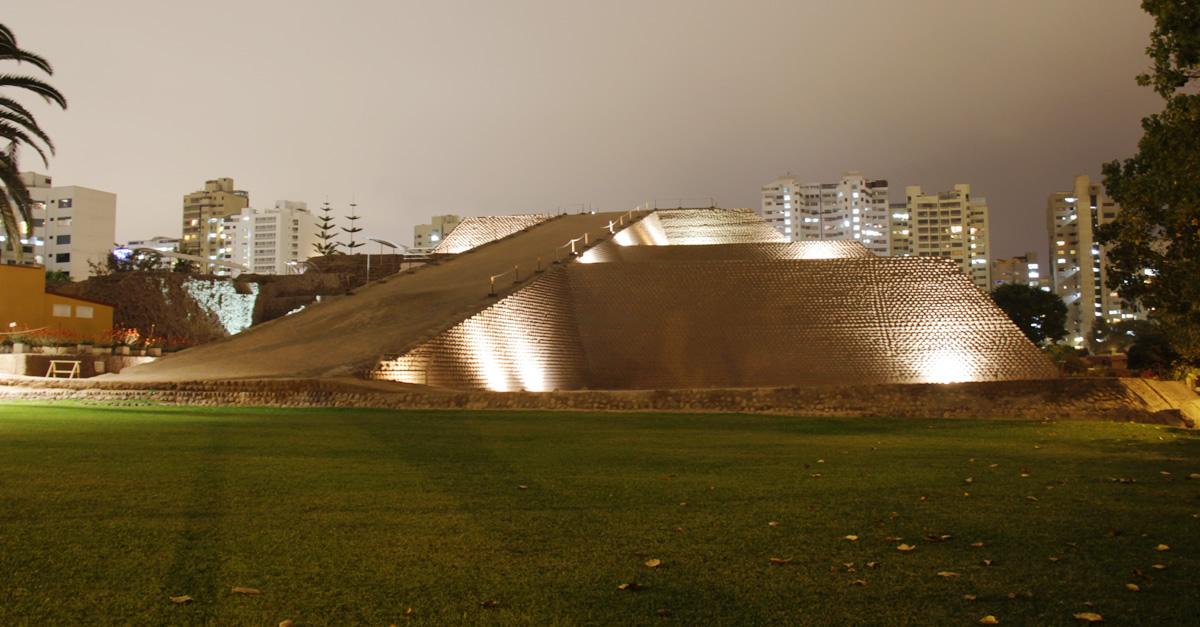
{"points": [[85, 311], [61, 311], [64, 203], [62, 239], [62, 258]]}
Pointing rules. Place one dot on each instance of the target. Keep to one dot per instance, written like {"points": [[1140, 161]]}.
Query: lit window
{"points": [[61, 311], [84, 311]]}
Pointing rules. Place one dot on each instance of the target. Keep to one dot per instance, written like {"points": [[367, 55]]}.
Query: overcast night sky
{"points": [[421, 108]]}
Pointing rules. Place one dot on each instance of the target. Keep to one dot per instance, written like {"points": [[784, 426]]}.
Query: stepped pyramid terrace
{"points": [[679, 298]]}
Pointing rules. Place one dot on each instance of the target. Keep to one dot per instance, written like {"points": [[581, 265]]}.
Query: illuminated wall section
{"points": [[750, 323], [526, 341], [479, 230], [716, 226], [611, 253]]}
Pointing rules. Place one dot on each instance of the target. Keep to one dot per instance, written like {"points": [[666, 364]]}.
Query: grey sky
{"points": [[421, 108]]}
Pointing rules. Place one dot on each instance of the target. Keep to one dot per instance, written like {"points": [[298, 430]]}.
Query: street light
{"points": [[382, 243]]}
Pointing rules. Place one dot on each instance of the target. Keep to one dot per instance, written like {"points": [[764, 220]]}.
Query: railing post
{"points": [[516, 273], [492, 288], [585, 239], [539, 263]]}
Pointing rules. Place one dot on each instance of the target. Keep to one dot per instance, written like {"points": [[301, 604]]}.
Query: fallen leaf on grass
{"points": [[250, 592], [987, 562], [938, 537], [1089, 617], [969, 480], [976, 545], [1053, 558], [287, 623], [892, 538], [862, 583], [632, 586], [522, 487], [490, 603], [182, 599], [773, 523], [653, 562], [1194, 475], [872, 565], [664, 612], [780, 561], [1132, 587], [906, 548], [851, 538], [948, 574], [408, 613], [1159, 566], [1162, 547], [989, 620], [969, 597], [1031, 498]]}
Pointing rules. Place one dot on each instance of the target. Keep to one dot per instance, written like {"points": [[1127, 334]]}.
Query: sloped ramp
{"points": [[350, 334]]}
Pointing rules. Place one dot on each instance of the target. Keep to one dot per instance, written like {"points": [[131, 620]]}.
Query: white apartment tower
{"points": [[72, 226], [1078, 263], [427, 236], [949, 224], [273, 240], [855, 208]]}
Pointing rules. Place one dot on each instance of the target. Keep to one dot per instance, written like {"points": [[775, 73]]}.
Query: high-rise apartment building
{"points": [[71, 227], [204, 216], [900, 227], [949, 224], [428, 235], [1079, 264], [274, 240], [1022, 270], [855, 208]]}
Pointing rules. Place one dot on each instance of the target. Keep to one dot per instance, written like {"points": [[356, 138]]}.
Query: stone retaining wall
{"points": [[1069, 399]]}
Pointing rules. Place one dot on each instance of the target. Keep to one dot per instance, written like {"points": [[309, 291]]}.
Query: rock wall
{"points": [[1061, 399]]}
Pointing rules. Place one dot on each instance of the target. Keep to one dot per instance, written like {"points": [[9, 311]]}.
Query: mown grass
{"points": [[354, 516]]}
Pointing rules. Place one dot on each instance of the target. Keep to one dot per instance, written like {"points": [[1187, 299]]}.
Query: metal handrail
{"points": [[623, 220], [516, 272]]}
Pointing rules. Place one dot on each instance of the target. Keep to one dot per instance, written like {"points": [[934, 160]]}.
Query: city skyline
{"points": [[607, 108]]}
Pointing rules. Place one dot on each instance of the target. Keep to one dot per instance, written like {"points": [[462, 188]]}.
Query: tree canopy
{"points": [[1040, 315], [1153, 246]]}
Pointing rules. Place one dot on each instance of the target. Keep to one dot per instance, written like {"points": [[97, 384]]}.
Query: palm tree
{"points": [[19, 128]]}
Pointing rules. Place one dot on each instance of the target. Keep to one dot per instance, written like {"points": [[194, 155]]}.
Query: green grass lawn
{"points": [[354, 516]]}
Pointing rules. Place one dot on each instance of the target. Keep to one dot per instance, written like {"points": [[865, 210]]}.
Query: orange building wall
{"points": [[23, 300]]}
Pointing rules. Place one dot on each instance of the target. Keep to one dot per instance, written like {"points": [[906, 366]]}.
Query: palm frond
{"points": [[29, 125], [37, 86], [16, 205], [16, 135], [9, 50], [12, 232], [15, 107]]}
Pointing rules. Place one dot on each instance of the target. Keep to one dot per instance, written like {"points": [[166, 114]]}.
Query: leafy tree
{"points": [[184, 266], [1153, 246], [1118, 337], [19, 128], [57, 277], [326, 232], [1039, 314]]}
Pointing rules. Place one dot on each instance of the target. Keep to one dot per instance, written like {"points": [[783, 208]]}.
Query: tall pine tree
{"points": [[326, 232], [352, 229]]}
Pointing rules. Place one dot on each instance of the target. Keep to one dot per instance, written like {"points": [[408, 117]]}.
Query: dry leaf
{"points": [[246, 591], [182, 599], [969, 480], [1194, 475], [859, 582], [653, 562], [969, 597], [490, 603], [1031, 498], [948, 574], [664, 612], [1132, 587], [1089, 617], [1162, 547], [906, 547], [872, 565], [987, 562], [892, 538], [408, 613], [989, 620], [1159, 566], [632, 586], [976, 545], [773, 523], [780, 561], [522, 487], [852, 538], [816, 475], [1053, 558], [683, 504], [286, 623]]}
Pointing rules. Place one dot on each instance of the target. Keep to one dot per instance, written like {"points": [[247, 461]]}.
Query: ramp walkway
{"points": [[344, 335]]}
